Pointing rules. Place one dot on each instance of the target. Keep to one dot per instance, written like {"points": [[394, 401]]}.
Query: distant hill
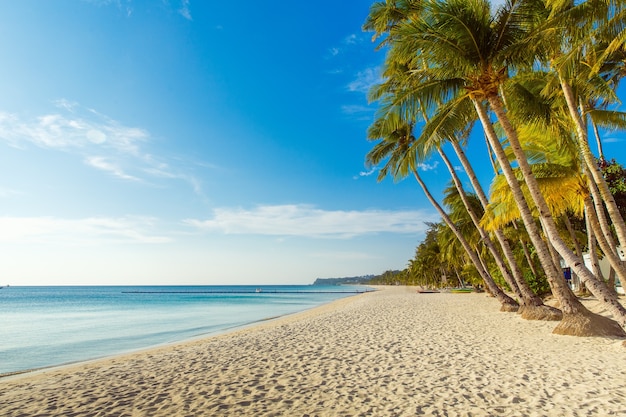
{"points": [[365, 279]]}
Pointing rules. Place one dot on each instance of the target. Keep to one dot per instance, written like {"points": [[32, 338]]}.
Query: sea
{"points": [[49, 326]]}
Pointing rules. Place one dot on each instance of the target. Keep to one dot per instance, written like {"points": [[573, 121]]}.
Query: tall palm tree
{"points": [[484, 236], [545, 129], [398, 81], [445, 82], [587, 55], [469, 54], [575, 31], [533, 307], [395, 146], [559, 175]]}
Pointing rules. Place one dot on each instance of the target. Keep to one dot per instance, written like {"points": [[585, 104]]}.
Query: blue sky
{"points": [[194, 142]]}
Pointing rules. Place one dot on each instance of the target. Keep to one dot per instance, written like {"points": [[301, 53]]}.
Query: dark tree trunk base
{"points": [[508, 307], [588, 324], [540, 312]]}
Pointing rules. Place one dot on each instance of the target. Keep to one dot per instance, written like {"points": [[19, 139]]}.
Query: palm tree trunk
{"points": [[506, 302], [506, 274], [607, 248], [611, 281], [529, 259], [572, 234], [568, 302], [529, 298], [556, 259], [600, 214], [596, 134], [579, 250], [606, 298], [592, 166], [489, 152], [593, 258]]}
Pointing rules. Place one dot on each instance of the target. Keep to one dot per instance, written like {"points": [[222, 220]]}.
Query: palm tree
{"points": [[452, 252], [576, 32], [545, 129], [559, 175], [484, 236], [428, 259], [533, 307], [396, 83], [469, 55], [589, 61], [384, 16], [395, 146]]}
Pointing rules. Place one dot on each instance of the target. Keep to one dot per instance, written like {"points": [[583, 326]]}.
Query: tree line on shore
{"points": [[537, 81]]}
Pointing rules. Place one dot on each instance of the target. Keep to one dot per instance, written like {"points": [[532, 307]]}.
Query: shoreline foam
{"points": [[386, 353]]}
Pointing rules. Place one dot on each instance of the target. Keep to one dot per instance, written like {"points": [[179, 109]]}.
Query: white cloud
{"points": [[101, 142], [16, 230], [103, 164], [70, 131], [308, 221], [184, 9], [350, 39], [346, 43], [368, 173], [365, 80], [428, 167]]}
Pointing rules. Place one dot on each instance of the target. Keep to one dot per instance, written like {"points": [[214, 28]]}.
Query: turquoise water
{"points": [[48, 326]]}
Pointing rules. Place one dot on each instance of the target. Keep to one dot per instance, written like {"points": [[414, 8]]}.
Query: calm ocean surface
{"points": [[47, 326]]}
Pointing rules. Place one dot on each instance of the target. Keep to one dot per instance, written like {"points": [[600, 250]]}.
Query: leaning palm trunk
{"points": [[543, 253], [602, 231], [592, 166], [593, 254], [506, 302], [607, 248], [600, 213], [579, 250], [572, 234], [506, 274], [596, 134], [532, 307], [576, 318]]}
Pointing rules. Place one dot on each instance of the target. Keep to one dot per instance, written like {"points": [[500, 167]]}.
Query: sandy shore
{"points": [[389, 353]]}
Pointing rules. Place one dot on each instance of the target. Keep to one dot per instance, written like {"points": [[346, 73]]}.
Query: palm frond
{"points": [[608, 119]]}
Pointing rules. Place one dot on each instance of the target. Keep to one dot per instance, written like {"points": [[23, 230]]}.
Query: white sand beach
{"points": [[390, 353]]}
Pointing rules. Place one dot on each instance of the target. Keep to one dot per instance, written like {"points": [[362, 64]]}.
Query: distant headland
{"points": [[388, 277]]}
